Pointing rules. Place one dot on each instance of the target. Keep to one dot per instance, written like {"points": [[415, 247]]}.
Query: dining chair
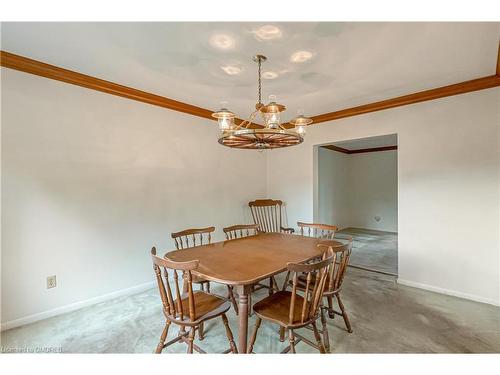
{"points": [[323, 231], [191, 238], [333, 285], [267, 213], [196, 237], [239, 231], [189, 309], [293, 311]]}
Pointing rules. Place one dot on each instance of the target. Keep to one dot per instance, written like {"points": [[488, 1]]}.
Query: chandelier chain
{"points": [[260, 98]]}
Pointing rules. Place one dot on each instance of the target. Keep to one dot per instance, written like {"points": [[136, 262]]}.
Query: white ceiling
{"points": [[351, 64], [371, 142]]}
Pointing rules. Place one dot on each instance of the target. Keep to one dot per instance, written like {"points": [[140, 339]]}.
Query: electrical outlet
{"points": [[51, 282]]}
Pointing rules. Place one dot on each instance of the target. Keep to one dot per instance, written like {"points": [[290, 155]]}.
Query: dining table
{"points": [[244, 262]]}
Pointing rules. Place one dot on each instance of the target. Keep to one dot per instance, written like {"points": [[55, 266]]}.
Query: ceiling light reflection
{"points": [[222, 41], [231, 69], [301, 56], [269, 75], [268, 32]]}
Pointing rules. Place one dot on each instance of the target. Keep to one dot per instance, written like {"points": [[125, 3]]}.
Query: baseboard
{"points": [[448, 292], [75, 306]]}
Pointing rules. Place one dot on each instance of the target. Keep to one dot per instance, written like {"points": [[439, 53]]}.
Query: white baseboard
{"points": [[75, 306], [454, 293]]}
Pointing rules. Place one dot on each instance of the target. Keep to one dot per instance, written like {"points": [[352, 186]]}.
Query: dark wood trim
{"points": [[422, 96], [336, 148], [373, 149], [498, 60], [360, 151], [24, 64]]}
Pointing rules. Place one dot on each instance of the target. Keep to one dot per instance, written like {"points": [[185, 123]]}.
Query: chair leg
{"points": [[271, 286], [229, 334], [317, 336], [250, 304], [254, 335], [190, 340], [208, 286], [331, 313], [344, 314], [201, 331], [163, 337], [291, 338], [282, 334], [230, 296], [326, 337], [202, 287], [285, 284]]}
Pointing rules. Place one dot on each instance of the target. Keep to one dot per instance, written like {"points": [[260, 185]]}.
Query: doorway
{"points": [[357, 190]]}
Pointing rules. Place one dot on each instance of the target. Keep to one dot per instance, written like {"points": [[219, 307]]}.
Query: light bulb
{"points": [[224, 123], [300, 129], [273, 121]]}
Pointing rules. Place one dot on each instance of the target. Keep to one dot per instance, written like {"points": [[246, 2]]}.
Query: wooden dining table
{"points": [[244, 262]]}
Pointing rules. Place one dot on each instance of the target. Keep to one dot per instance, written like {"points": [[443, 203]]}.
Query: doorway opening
{"points": [[357, 190]]}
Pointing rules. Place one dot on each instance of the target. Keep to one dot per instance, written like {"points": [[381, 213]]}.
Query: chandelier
{"points": [[248, 135]]}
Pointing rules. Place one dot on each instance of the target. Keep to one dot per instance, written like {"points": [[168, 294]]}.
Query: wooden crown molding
{"points": [[498, 60], [360, 151], [24, 64], [422, 96]]}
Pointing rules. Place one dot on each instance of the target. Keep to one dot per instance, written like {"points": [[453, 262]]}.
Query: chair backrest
{"points": [[267, 214], [192, 237], [341, 254], [315, 275], [171, 299], [323, 231], [239, 231]]}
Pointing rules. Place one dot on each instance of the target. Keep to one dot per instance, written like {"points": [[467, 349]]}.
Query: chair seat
{"points": [[276, 307], [206, 305]]}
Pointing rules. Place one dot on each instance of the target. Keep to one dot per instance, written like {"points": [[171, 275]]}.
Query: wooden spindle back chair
{"points": [[322, 231], [239, 231], [186, 308], [267, 213], [193, 237], [197, 237], [341, 254], [292, 310]]}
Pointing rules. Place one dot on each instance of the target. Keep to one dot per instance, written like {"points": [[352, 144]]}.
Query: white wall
{"points": [[91, 181], [448, 177], [354, 189], [333, 203]]}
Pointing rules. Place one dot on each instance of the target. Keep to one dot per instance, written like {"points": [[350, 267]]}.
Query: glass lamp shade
{"points": [[225, 118], [300, 123], [271, 113]]}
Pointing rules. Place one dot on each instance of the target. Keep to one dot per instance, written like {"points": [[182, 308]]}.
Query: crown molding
{"points": [[27, 65], [360, 151], [422, 96]]}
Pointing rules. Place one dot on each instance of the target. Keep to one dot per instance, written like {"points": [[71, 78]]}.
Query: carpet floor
{"points": [[386, 318]]}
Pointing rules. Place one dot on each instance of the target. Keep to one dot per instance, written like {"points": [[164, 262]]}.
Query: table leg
{"points": [[243, 293]]}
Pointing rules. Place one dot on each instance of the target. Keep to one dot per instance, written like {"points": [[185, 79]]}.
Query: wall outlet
{"points": [[377, 218], [51, 282]]}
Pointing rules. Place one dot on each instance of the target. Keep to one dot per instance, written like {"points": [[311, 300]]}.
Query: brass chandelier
{"points": [[272, 135]]}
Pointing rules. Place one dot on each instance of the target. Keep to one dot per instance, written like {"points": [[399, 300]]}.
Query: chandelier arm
{"points": [[247, 122]]}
